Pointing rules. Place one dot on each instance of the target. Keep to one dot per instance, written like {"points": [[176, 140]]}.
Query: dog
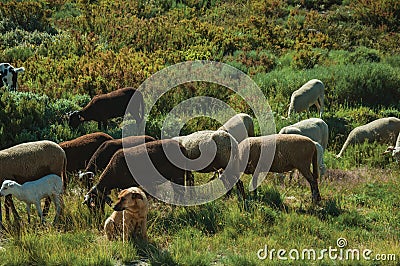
{"points": [[8, 76], [131, 210]]}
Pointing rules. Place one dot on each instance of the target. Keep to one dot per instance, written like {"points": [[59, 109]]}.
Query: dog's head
{"points": [[131, 198]]}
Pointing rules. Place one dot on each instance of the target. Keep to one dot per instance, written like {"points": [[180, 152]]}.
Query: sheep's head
{"points": [[395, 151], [86, 178], [7, 187], [75, 119], [96, 200]]}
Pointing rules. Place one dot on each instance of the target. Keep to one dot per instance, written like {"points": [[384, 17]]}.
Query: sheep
{"points": [[314, 128], [225, 156], [30, 161], [395, 150], [80, 150], [117, 174], [105, 106], [32, 192], [9, 75], [280, 153], [317, 130], [239, 126], [309, 94], [383, 130], [104, 153]]}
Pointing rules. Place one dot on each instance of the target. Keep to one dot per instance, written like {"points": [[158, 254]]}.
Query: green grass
{"points": [[360, 205]]}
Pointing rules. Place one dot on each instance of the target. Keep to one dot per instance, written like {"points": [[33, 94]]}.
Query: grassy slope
{"points": [[361, 205]]}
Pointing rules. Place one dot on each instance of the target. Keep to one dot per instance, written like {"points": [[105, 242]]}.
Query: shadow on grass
{"points": [[151, 254]]}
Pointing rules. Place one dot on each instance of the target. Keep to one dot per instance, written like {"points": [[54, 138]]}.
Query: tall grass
{"points": [[359, 205]]}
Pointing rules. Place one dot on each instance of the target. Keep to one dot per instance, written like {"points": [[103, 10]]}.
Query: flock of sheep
{"points": [[36, 170]]}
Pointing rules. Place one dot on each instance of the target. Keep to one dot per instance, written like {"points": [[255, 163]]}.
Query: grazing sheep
{"points": [[309, 94], [280, 153], [226, 146], [30, 161], [383, 130], [314, 128], [32, 192], [80, 150], [239, 126], [104, 153], [105, 106], [9, 75], [118, 175], [395, 150]]}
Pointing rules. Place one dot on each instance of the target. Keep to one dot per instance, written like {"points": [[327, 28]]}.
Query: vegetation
{"points": [[73, 50]]}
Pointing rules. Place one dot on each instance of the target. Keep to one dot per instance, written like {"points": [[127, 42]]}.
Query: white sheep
{"points": [[395, 150], [30, 161], [314, 128], [309, 94], [32, 192], [226, 153], [280, 153], [383, 130], [240, 126]]}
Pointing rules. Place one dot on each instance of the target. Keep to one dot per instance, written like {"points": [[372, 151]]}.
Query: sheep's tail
{"points": [[315, 164]]}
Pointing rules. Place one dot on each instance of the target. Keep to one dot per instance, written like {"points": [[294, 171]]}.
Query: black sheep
{"points": [[105, 106]]}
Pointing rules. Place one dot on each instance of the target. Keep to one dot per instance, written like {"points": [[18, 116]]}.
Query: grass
{"points": [[360, 205]]}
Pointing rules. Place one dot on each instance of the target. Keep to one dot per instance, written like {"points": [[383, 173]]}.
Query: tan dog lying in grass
{"points": [[131, 209]]}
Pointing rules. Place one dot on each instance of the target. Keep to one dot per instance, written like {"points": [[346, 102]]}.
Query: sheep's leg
{"points": [[240, 187], [39, 210], [321, 102], [46, 207], [316, 197], [57, 203], [318, 106], [1, 218], [28, 211]]}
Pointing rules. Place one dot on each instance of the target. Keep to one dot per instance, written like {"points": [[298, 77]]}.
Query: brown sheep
{"points": [[80, 150], [31, 161], [104, 153], [105, 106], [291, 152], [118, 175]]}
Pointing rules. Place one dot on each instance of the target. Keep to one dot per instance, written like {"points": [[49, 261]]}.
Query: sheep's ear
{"points": [[81, 118]]}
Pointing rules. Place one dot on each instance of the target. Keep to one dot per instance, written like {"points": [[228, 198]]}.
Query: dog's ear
{"points": [[137, 196]]}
